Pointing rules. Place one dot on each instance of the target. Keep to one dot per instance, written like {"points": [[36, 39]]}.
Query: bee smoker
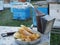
{"points": [[44, 22]]}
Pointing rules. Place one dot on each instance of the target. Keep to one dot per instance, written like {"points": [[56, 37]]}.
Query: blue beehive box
{"points": [[21, 14], [12, 3], [21, 10], [44, 10]]}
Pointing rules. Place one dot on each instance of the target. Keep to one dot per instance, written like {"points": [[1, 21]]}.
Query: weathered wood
{"points": [[55, 32]]}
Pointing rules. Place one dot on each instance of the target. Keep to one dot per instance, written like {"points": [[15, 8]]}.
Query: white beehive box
{"points": [[1, 5], [54, 11], [51, 0], [7, 3]]}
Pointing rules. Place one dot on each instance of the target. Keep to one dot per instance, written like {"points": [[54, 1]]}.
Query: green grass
{"points": [[6, 19], [55, 39]]}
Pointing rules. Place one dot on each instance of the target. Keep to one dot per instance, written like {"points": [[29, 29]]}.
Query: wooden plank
{"points": [[55, 32]]}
